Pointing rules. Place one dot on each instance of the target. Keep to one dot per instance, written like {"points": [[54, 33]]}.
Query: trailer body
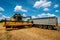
{"points": [[46, 22]]}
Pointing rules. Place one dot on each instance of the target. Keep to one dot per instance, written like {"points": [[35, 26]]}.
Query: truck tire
{"points": [[50, 27], [45, 27], [40, 26]]}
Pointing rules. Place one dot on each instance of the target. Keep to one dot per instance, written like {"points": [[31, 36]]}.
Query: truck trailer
{"points": [[46, 22]]}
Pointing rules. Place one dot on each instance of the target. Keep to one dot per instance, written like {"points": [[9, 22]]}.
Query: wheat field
{"points": [[29, 34]]}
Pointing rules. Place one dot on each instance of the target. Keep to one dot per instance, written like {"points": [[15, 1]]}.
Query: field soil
{"points": [[29, 34]]}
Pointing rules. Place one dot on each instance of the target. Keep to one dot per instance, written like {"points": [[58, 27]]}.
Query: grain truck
{"points": [[46, 22]]}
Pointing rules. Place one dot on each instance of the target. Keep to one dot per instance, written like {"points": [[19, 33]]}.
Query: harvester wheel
{"points": [[8, 28], [30, 26], [26, 26]]}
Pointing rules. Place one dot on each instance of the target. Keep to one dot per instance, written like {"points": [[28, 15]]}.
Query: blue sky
{"points": [[34, 8]]}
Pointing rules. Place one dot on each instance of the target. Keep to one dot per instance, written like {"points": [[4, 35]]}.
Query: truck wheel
{"points": [[40, 26], [45, 27], [50, 27]]}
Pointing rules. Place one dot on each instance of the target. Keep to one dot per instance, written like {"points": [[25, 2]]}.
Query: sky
{"points": [[34, 8]]}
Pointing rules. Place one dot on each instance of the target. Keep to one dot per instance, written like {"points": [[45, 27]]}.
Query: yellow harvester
{"points": [[17, 22]]}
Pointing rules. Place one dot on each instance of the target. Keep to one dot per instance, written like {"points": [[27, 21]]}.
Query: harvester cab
{"points": [[18, 17]]}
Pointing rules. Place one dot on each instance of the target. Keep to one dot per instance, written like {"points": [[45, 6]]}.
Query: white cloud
{"points": [[46, 15], [47, 4], [24, 15], [45, 9], [3, 16], [56, 6], [42, 3], [34, 17], [1, 9], [56, 10], [19, 8]]}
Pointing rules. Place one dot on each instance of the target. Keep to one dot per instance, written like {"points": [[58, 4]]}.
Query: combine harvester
{"points": [[17, 22]]}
